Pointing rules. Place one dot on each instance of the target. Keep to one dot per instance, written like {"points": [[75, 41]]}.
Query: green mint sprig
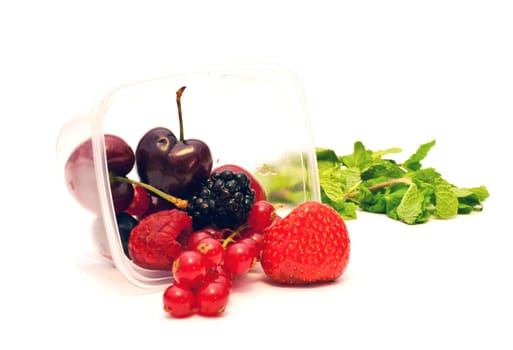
{"points": [[406, 191]]}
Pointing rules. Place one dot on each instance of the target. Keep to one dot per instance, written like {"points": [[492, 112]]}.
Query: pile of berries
{"points": [[309, 245], [212, 257], [202, 261], [205, 225]]}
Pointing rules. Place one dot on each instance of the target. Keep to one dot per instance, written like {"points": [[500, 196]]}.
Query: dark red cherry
{"points": [[176, 167], [190, 163], [152, 155], [80, 178], [122, 195]]}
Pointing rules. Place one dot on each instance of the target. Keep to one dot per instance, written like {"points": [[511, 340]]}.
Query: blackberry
{"points": [[224, 200]]}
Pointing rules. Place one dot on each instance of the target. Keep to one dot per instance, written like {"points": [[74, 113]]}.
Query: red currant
{"points": [[179, 300], [206, 232], [212, 298], [189, 268], [211, 249], [261, 215], [257, 236], [239, 257], [252, 244], [221, 275]]}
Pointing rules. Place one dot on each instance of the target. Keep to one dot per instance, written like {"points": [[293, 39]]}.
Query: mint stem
{"points": [[178, 202], [405, 180], [354, 190]]}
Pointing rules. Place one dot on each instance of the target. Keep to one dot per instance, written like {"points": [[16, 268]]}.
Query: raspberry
{"points": [[153, 242], [224, 200]]}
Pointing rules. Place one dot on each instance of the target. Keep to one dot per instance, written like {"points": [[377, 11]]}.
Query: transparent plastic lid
{"points": [[253, 116]]}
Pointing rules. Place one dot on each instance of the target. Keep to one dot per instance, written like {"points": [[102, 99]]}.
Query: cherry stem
{"points": [[179, 105], [178, 202]]}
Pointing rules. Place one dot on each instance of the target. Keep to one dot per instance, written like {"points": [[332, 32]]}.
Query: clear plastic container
{"points": [[254, 116]]}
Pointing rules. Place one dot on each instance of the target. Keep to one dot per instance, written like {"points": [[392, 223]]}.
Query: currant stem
{"points": [[178, 202], [179, 105], [235, 233], [229, 239]]}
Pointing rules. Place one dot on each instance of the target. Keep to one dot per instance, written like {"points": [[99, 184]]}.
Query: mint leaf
{"points": [[373, 202], [380, 154], [481, 192], [446, 201], [413, 163], [427, 175], [347, 179], [410, 207], [346, 209], [427, 205], [360, 158], [470, 199], [332, 190], [326, 155], [338, 189], [385, 169], [393, 198], [384, 200]]}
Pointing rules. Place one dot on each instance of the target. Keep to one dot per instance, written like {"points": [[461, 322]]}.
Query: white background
{"points": [[388, 73]]}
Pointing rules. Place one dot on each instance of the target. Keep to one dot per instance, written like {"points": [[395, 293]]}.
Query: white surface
{"points": [[393, 73]]}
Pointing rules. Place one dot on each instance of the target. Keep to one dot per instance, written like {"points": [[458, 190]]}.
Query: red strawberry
{"points": [[153, 242], [310, 244]]}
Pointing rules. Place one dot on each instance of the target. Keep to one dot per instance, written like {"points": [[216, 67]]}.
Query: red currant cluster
{"points": [[203, 272]]}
